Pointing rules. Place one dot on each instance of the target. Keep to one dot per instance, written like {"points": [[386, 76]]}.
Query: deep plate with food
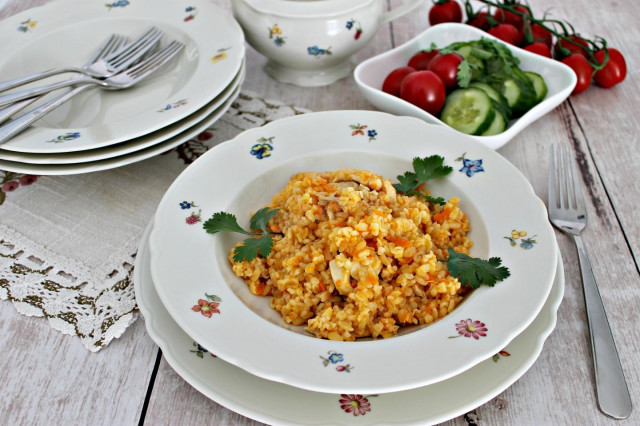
{"points": [[370, 75], [196, 281]]}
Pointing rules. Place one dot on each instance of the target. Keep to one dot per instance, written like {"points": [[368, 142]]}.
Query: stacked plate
{"points": [[105, 129], [422, 376]]}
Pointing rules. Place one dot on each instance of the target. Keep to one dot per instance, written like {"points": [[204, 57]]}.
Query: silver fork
{"points": [[103, 68], [568, 213], [119, 81], [111, 45]]}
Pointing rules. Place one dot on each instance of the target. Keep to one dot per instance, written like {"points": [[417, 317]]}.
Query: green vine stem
{"points": [[567, 30]]}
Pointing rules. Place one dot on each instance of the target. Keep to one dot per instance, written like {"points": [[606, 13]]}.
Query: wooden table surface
{"points": [[48, 378]]}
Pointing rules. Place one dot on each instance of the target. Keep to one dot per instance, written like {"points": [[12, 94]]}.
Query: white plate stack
{"points": [[103, 129]]}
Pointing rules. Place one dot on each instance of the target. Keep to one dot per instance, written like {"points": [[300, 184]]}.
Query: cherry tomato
{"points": [[540, 48], [392, 82], [420, 61], [508, 17], [481, 21], [583, 70], [614, 72], [539, 33], [445, 11], [581, 48], [507, 33], [425, 90], [446, 67]]}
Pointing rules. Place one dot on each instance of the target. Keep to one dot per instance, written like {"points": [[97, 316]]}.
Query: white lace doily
{"points": [[67, 243]]}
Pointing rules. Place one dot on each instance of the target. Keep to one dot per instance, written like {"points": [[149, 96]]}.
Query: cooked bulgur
{"points": [[355, 258]]}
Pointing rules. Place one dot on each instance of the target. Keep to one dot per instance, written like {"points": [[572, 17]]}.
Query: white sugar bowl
{"points": [[309, 42]]}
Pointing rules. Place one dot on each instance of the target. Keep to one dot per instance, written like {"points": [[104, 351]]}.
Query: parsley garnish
{"points": [[474, 272], [260, 242], [423, 169]]}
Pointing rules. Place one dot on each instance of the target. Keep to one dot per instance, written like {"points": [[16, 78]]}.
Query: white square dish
{"points": [[370, 74]]}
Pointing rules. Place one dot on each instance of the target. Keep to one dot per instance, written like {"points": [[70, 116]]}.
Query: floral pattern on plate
{"points": [[351, 23], [263, 148], [359, 129], [470, 328], [317, 52], [174, 105], [470, 167], [501, 354], [191, 13], [358, 405], [334, 357], [26, 26], [220, 55], [200, 351], [69, 136], [517, 238], [209, 306], [118, 3]]}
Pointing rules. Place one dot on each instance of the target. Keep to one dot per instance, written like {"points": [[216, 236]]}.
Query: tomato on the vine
{"points": [[392, 82], [539, 33], [481, 21], [425, 90], [420, 61], [540, 48], [614, 72], [446, 67], [583, 70], [507, 33], [445, 11], [581, 46], [508, 17]]}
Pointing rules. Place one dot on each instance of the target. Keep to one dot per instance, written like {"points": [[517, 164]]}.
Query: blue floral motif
{"points": [[316, 51], [65, 137], [517, 238], [278, 41], [187, 205], [117, 3], [335, 358], [189, 9], [350, 24], [263, 148], [372, 134], [471, 167]]}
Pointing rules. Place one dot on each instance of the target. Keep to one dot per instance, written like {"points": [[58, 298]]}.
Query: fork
{"points": [[568, 213], [103, 68], [119, 81], [112, 44]]}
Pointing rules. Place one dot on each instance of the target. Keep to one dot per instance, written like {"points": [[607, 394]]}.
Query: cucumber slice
{"points": [[500, 100], [539, 86], [466, 51], [469, 111], [498, 125], [519, 93]]}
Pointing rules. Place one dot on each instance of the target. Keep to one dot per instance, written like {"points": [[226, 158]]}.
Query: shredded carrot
{"points": [[372, 279], [260, 289], [275, 228], [400, 242], [442, 216], [321, 287]]}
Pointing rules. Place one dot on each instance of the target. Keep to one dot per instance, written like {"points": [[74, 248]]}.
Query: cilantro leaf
{"points": [[408, 182], [464, 74], [474, 272], [260, 218], [430, 168], [252, 247], [221, 222], [433, 200]]}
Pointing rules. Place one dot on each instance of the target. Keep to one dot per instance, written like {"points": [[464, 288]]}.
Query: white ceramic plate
{"points": [[370, 74], [133, 145], [122, 160], [187, 263], [67, 32], [276, 403]]}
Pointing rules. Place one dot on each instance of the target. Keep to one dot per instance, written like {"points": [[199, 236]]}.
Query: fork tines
{"points": [[564, 181], [155, 60], [130, 50]]}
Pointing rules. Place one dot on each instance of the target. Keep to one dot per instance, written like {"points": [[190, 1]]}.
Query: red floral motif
{"points": [[355, 404], [208, 307], [470, 328], [10, 186], [357, 129]]}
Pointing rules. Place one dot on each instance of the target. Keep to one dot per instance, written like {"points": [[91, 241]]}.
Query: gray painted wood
{"points": [[49, 378]]}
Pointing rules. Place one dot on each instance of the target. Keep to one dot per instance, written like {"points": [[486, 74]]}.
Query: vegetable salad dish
{"points": [[348, 254]]}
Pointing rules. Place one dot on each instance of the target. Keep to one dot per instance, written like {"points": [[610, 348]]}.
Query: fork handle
{"points": [[19, 81], [16, 126], [41, 90], [611, 387]]}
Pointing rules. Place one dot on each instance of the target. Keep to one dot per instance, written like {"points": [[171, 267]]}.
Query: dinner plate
{"points": [[68, 32], [190, 267], [276, 403], [122, 160], [135, 144], [370, 74]]}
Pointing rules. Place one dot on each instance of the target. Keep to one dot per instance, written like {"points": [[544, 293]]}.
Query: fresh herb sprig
{"points": [[258, 244], [424, 169], [474, 272]]}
